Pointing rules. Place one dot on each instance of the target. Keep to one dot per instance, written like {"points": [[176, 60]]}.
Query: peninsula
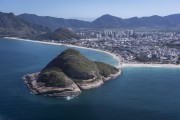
{"points": [[68, 74]]}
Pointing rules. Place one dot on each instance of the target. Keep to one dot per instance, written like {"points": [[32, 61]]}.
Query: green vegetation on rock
{"points": [[55, 78], [71, 66], [105, 69], [74, 65], [68, 74]]}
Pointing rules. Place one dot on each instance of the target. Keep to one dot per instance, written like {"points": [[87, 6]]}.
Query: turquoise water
{"points": [[138, 94]]}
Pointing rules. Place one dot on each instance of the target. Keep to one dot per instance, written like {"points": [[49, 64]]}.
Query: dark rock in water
{"points": [[68, 74]]}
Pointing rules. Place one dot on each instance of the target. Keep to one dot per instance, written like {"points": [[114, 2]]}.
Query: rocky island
{"points": [[68, 74]]}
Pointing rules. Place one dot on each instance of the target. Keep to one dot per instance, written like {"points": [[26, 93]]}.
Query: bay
{"points": [[138, 94]]}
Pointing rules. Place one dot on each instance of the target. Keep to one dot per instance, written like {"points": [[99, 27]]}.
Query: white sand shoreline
{"points": [[119, 65], [150, 65]]}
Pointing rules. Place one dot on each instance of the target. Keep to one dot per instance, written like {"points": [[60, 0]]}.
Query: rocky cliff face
{"points": [[68, 74], [39, 88]]}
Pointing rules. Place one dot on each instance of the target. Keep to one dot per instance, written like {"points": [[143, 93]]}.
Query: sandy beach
{"points": [[149, 65], [119, 64]]}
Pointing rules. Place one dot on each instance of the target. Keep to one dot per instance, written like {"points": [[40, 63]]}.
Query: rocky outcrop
{"points": [[68, 74], [85, 85], [39, 88], [112, 76]]}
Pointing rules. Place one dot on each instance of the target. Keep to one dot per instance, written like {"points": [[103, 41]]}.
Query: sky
{"points": [[91, 9]]}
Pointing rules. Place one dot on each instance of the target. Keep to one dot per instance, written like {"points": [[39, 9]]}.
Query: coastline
{"points": [[124, 65], [69, 45], [119, 64]]}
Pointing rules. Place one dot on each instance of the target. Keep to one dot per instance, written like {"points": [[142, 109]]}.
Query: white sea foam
{"points": [[69, 97]]}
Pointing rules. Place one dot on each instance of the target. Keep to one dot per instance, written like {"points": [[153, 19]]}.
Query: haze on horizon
{"points": [[91, 9]]}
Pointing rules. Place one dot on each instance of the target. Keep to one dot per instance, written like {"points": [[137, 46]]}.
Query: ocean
{"points": [[138, 94]]}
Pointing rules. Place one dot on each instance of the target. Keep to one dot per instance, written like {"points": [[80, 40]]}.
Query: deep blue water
{"points": [[138, 94]]}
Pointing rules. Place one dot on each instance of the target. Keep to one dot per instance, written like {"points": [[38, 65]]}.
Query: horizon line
{"points": [[92, 18]]}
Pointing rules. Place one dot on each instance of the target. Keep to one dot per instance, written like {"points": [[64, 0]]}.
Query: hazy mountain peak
{"points": [[105, 21]]}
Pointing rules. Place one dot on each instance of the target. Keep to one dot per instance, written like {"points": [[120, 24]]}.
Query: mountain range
{"points": [[54, 23], [11, 25], [105, 21], [34, 26]]}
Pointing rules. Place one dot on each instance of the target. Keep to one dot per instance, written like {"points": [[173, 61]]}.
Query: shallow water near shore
{"points": [[138, 94]]}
